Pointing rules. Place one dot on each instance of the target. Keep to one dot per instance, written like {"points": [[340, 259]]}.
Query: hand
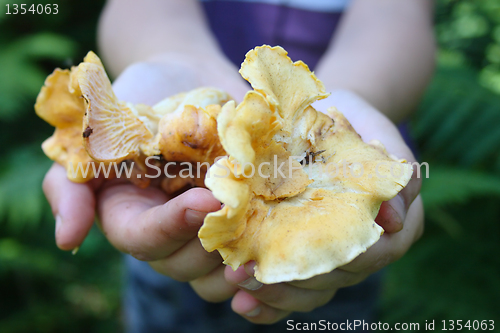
{"points": [[145, 222], [139, 222], [401, 218]]}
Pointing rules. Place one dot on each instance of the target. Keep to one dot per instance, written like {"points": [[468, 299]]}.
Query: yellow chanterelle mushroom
{"points": [[300, 189], [296, 220]]}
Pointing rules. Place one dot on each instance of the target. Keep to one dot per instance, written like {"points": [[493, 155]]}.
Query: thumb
{"points": [[140, 222], [392, 214]]}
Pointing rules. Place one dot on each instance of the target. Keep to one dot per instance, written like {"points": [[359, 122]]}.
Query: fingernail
{"points": [[58, 223], [194, 217], [250, 268], [398, 205], [254, 312], [251, 284]]}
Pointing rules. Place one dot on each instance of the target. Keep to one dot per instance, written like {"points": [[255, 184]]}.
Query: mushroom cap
{"points": [[66, 148], [56, 104], [296, 220], [93, 125], [63, 108], [115, 130], [188, 133], [181, 127]]}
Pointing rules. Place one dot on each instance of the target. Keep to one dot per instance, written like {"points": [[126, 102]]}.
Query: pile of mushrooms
{"points": [[269, 160]]}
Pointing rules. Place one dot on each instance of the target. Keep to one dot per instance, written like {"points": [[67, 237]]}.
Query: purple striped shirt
{"points": [[241, 25]]}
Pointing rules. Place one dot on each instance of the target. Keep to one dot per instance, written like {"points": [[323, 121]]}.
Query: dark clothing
{"points": [[157, 304], [241, 26]]}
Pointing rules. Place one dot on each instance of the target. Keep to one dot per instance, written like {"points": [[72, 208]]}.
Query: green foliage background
{"points": [[43, 289], [453, 272]]}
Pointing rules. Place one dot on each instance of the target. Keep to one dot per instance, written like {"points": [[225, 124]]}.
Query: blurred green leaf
{"points": [[15, 255], [456, 121], [452, 272], [451, 186], [22, 202], [42, 288], [21, 76]]}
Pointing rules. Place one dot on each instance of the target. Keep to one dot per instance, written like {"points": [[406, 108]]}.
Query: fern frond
{"points": [[446, 186], [469, 136], [457, 121], [21, 76], [488, 145]]}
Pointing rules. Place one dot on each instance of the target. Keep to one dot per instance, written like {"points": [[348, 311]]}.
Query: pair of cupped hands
{"points": [[151, 226]]}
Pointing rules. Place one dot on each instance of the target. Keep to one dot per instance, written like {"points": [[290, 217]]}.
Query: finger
{"points": [[213, 287], [255, 311], [281, 296], [391, 247], [188, 263], [391, 215], [143, 223], [73, 206]]}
